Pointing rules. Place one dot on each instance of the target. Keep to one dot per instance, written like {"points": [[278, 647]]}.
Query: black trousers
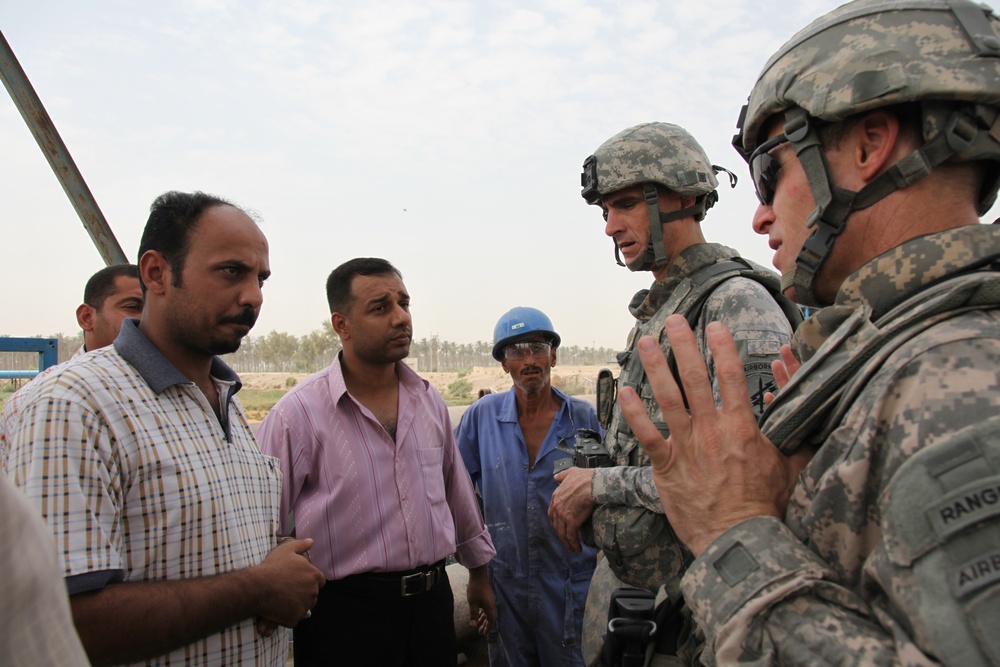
{"points": [[357, 625]]}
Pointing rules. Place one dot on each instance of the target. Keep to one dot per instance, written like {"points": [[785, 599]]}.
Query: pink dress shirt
{"points": [[371, 504]]}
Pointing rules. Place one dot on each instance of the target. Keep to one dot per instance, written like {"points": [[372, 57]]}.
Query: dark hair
{"points": [[172, 216], [338, 285], [102, 284]]}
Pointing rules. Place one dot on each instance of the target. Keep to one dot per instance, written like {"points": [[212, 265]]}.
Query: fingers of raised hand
{"points": [[788, 357], [648, 435], [691, 369], [668, 394], [780, 373], [729, 370]]}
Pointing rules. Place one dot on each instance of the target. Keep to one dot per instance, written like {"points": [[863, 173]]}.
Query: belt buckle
{"points": [[423, 582]]}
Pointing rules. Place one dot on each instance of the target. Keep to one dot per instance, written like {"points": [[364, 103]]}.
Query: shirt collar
{"points": [[408, 378], [508, 411], [154, 368]]}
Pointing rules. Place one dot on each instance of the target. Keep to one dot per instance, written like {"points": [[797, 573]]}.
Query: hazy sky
{"points": [[444, 136]]}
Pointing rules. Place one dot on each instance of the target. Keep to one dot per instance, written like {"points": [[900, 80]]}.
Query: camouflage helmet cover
{"points": [[660, 153], [874, 53]]}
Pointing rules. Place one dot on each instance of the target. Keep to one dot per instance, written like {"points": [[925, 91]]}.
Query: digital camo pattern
{"points": [[841, 336], [890, 549], [654, 153], [757, 323], [595, 612], [873, 53], [743, 305]]}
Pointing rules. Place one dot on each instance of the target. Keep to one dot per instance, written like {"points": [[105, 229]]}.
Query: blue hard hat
{"points": [[520, 323]]}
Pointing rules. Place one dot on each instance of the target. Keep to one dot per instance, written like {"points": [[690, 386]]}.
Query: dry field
{"points": [[481, 378], [577, 380]]}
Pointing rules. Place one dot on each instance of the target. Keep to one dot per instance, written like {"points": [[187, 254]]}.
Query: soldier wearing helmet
{"points": [[655, 184], [510, 443], [859, 522]]}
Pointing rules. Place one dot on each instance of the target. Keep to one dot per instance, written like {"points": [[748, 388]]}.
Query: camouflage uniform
{"points": [[890, 549], [759, 326]]}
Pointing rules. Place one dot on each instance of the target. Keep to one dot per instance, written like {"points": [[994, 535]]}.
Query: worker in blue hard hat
{"points": [[511, 443]]}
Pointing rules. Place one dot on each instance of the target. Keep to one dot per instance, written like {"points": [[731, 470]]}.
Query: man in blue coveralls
{"points": [[510, 443]]}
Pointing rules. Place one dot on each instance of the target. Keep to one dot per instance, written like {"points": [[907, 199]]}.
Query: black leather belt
{"points": [[404, 584]]}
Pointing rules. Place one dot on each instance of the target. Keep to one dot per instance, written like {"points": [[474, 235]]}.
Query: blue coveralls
{"points": [[540, 586]]}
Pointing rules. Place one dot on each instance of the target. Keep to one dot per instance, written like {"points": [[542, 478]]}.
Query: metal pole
{"points": [[55, 151]]}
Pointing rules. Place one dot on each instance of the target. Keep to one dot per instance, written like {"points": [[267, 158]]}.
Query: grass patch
{"points": [[575, 389], [257, 402], [453, 401]]}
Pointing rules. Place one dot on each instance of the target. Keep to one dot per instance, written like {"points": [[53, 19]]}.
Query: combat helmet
{"points": [[941, 55], [519, 323], [650, 154]]}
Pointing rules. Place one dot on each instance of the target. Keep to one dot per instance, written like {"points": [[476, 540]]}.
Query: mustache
{"points": [[246, 317]]}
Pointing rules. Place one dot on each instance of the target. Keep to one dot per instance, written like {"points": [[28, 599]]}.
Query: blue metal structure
{"points": [[47, 349]]}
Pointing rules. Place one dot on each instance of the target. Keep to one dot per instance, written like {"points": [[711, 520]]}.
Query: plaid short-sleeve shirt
{"points": [[139, 480], [13, 404]]}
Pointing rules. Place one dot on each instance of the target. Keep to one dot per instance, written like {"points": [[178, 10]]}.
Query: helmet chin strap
{"points": [[618, 255], [656, 253], [834, 205]]}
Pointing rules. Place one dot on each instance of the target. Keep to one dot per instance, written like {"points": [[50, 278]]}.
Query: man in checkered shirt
{"points": [[143, 465]]}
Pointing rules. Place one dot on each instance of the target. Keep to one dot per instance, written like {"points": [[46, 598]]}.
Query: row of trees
{"points": [[279, 352]]}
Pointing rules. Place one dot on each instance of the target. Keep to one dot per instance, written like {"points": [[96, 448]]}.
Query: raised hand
{"points": [[717, 468]]}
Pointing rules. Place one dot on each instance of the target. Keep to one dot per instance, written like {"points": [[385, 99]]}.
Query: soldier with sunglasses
{"points": [[654, 184], [860, 523]]}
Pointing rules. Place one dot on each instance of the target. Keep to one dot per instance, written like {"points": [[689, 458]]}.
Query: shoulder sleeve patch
{"points": [[941, 533]]}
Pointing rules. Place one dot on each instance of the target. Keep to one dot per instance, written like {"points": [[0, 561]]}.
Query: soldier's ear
{"points": [[876, 144]]}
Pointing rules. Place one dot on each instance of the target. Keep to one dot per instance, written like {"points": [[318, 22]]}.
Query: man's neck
{"points": [[195, 366], [678, 236], [365, 379], [375, 386], [529, 405]]}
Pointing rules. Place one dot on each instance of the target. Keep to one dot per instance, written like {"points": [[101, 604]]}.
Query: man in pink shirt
{"points": [[373, 475]]}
